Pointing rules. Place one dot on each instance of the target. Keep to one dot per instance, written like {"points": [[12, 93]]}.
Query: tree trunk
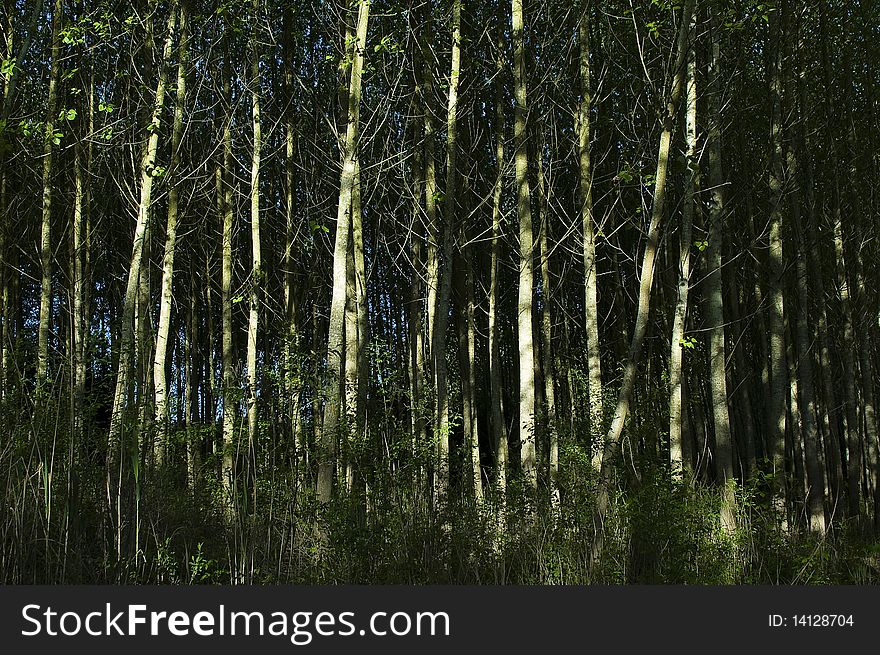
{"points": [[585, 179], [45, 317], [525, 329], [715, 297], [160, 360], [256, 281], [612, 439], [336, 331], [148, 172], [230, 392], [441, 418], [679, 464], [779, 383], [547, 361], [803, 339], [499, 433]]}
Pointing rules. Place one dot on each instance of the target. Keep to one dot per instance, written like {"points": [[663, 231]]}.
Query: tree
{"points": [[161, 354], [336, 334], [612, 440], [525, 329]]}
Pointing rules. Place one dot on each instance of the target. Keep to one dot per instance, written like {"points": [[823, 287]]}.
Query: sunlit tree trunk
{"points": [[678, 462], [416, 313], [417, 287], [612, 439], [293, 385], [77, 274], [117, 448], [227, 355], [547, 350], [525, 328], [441, 420], [499, 433], [430, 162], [717, 216], [360, 298], [160, 361], [45, 317], [350, 374], [585, 182], [336, 331], [148, 173], [256, 281]]}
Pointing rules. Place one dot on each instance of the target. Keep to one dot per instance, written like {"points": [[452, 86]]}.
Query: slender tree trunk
{"points": [[442, 315], [547, 361], [229, 390], [160, 360], [5, 328], [612, 440], [779, 383], [854, 447], [678, 463], [474, 442], [336, 332], [77, 314], [803, 337], [193, 375], [292, 359], [431, 196], [362, 359], [147, 172], [499, 433], [351, 361], [585, 181], [416, 300], [416, 338], [715, 296], [45, 317], [525, 330], [466, 367], [746, 444], [256, 282]]}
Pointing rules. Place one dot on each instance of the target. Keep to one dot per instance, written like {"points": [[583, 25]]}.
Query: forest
{"points": [[439, 292]]}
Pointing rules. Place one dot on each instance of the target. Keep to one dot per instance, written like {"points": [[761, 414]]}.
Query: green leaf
{"points": [[7, 68]]}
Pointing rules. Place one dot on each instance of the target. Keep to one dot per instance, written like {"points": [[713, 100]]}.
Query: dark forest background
{"points": [[439, 291]]}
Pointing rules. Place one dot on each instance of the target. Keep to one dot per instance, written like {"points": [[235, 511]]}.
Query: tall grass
{"points": [[55, 527]]}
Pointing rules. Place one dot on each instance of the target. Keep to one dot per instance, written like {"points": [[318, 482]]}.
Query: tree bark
{"points": [[45, 317], [148, 173], [547, 360], [612, 439], [779, 383], [525, 304], [715, 297], [499, 433], [441, 417], [678, 463], [160, 361], [585, 180], [336, 331], [256, 281]]}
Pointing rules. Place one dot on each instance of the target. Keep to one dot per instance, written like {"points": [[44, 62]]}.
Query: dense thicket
{"points": [[439, 291]]}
